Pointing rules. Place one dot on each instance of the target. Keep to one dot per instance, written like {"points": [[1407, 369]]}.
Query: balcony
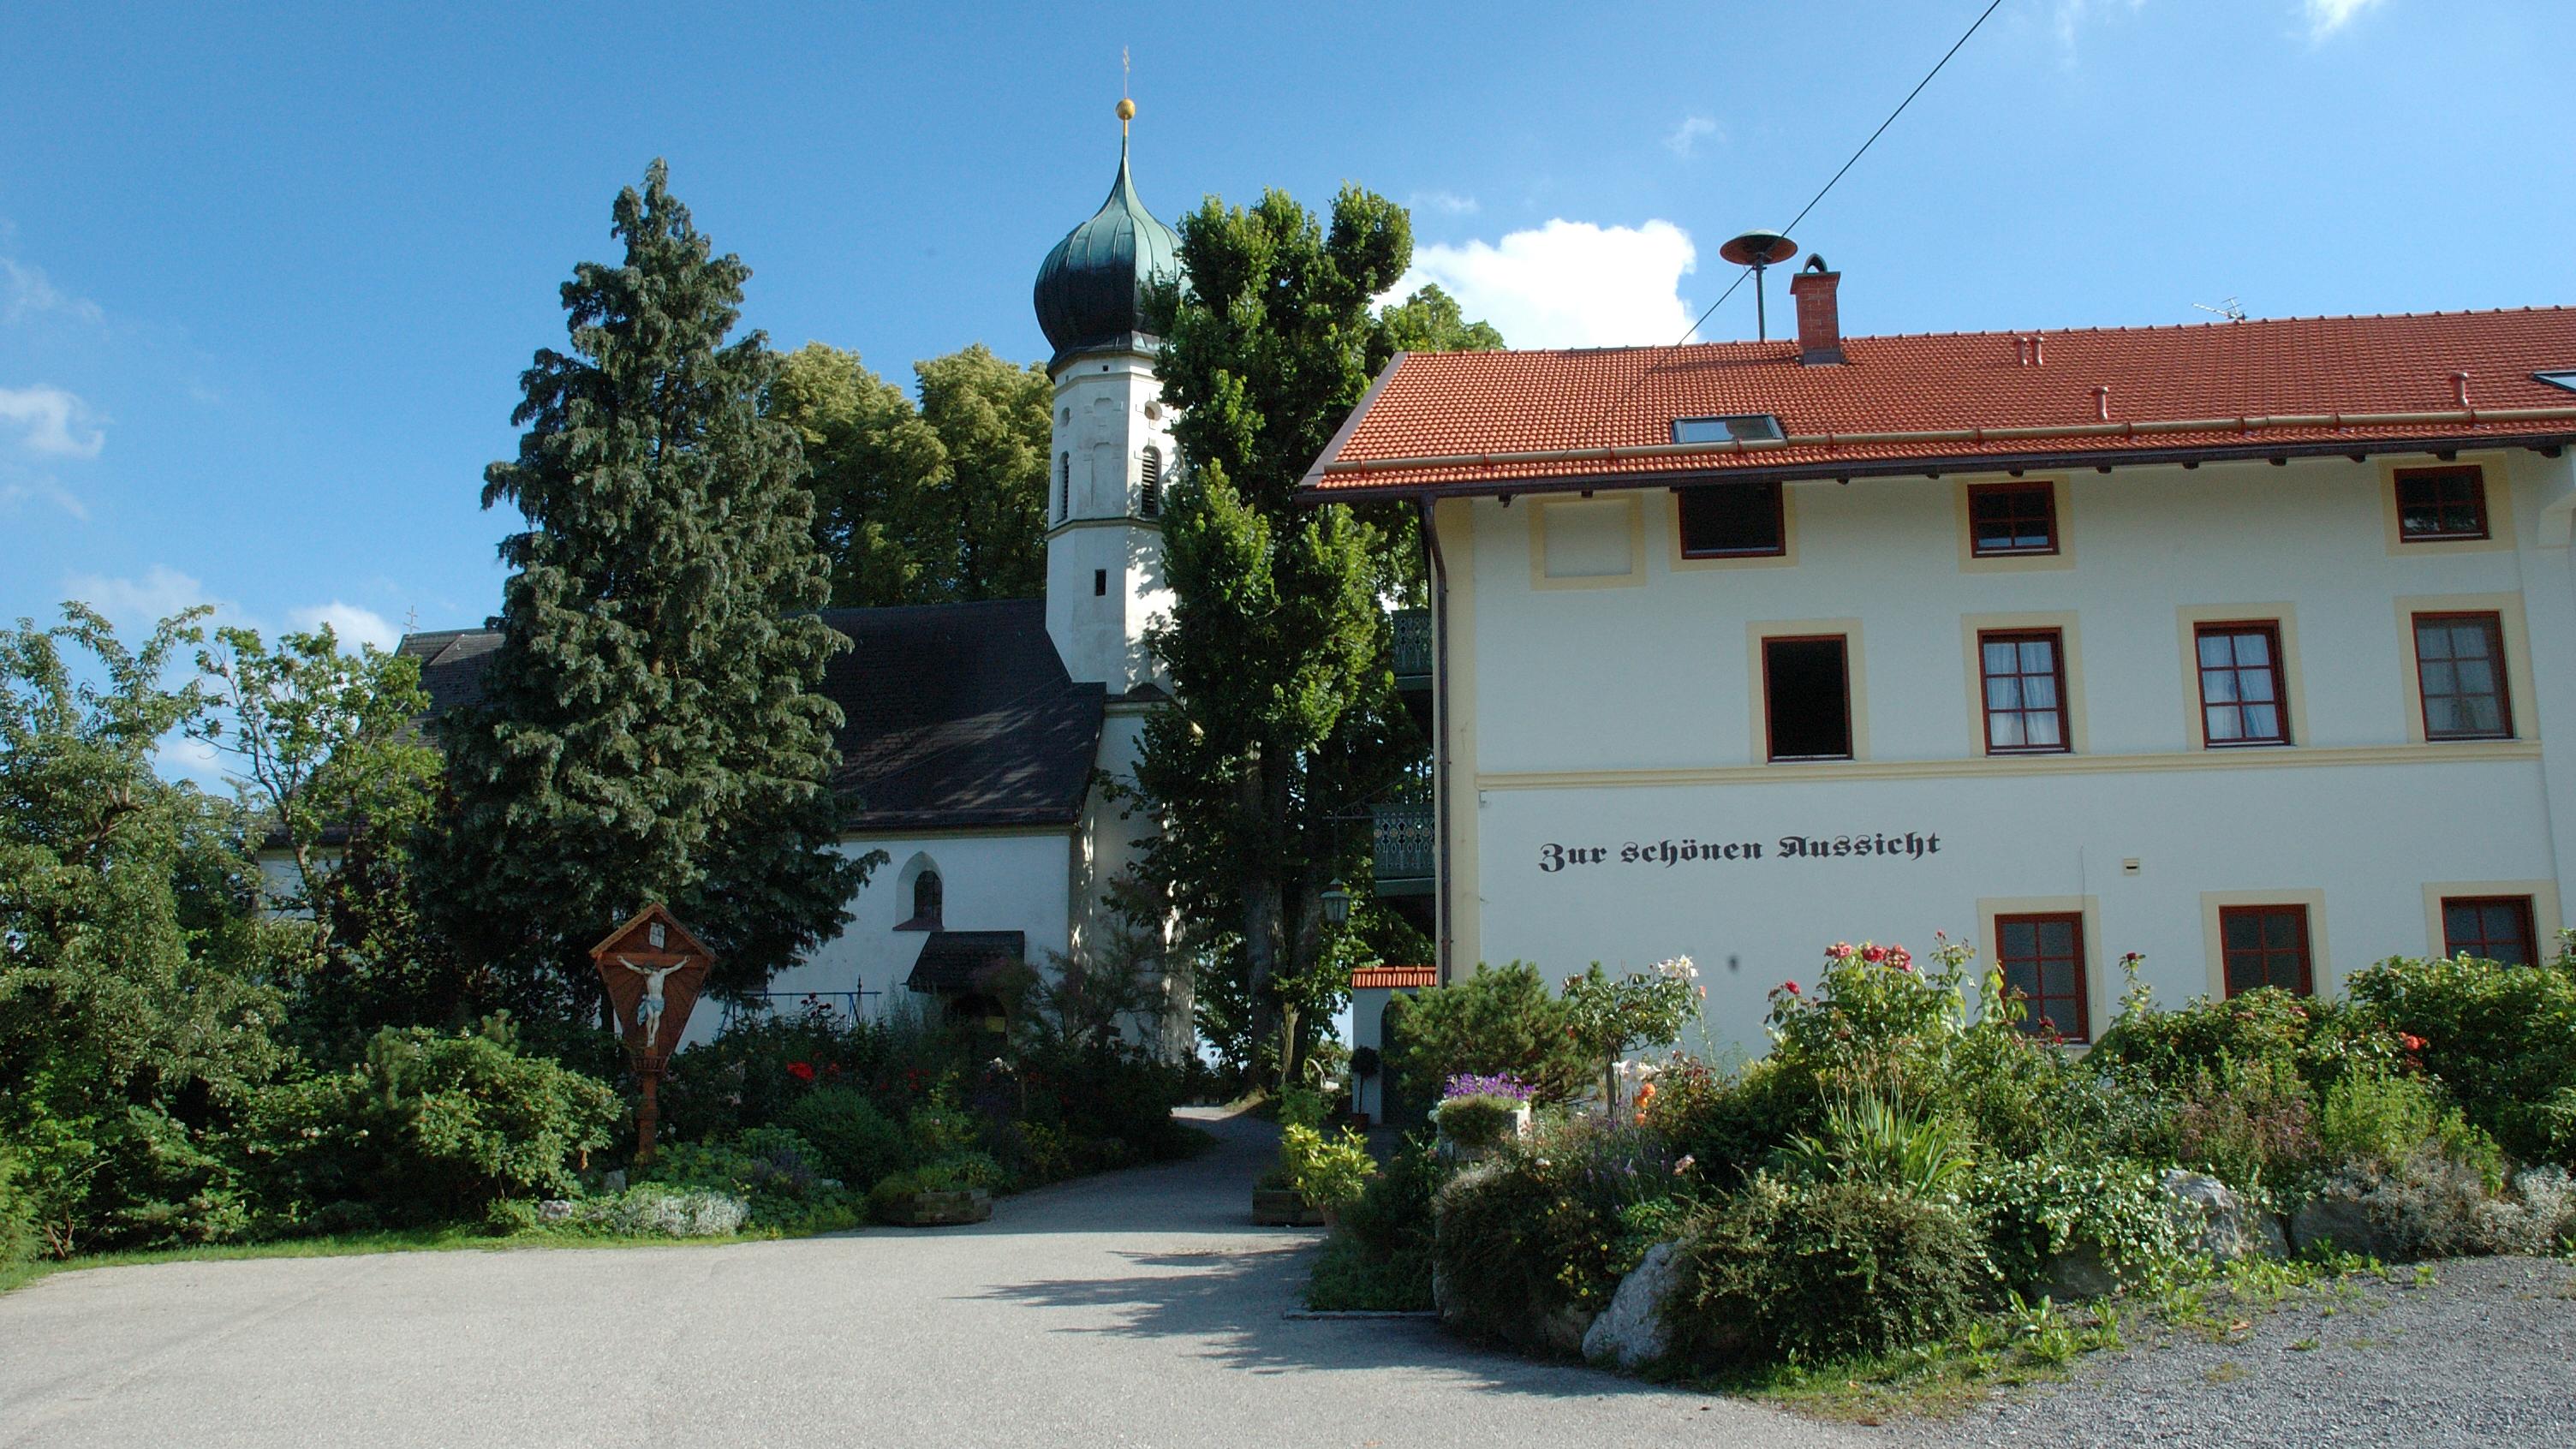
{"points": [[1412, 648], [1407, 859]]}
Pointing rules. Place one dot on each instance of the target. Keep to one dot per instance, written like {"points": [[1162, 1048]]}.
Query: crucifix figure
{"points": [[648, 1011]]}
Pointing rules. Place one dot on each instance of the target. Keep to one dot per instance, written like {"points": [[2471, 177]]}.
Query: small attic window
{"points": [[2563, 378], [1738, 428]]}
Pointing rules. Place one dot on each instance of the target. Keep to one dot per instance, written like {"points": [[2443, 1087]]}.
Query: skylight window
{"points": [[1738, 428], [2565, 378]]}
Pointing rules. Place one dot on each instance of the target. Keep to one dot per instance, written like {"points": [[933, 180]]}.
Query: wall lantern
{"points": [[1337, 904]]}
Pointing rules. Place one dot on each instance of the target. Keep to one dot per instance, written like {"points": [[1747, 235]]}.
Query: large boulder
{"points": [[2078, 1274], [1630, 1332], [2212, 1218], [2341, 1217]]}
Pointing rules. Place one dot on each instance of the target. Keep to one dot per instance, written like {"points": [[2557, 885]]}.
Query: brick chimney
{"points": [[1820, 324]]}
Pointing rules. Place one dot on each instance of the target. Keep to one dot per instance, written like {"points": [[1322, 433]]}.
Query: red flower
{"points": [[2413, 1042], [1789, 986], [801, 1071], [1874, 955]]}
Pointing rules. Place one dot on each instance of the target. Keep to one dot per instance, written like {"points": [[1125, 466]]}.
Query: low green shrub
{"points": [[1331, 1172], [852, 1140], [17, 1213], [1871, 1140], [2035, 1209], [1550, 1224], [2502, 1040], [655, 1210], [1379, 1256], [2378, 1119], [1801, 1272], [1724, 1127], [429, 1127], [2317, 1041], [2250, 1124], [1478, 1120], [957, 1172]]}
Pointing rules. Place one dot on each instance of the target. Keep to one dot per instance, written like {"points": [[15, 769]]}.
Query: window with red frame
{"points": [[2490, 928], [2265, 946], [2042, 959], [2441, 503], [2459, 666], [2243, 698], [2005, 519], [2025, 691]]}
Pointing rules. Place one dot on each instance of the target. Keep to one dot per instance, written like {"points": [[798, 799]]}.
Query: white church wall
{"points": [[990, 881], [1621, 707]]}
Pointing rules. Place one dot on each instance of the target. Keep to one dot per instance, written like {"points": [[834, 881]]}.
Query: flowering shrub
{"points": [[2501, 1038], [1606, 1019], [1873, 1009], [1488, 1084], [1502, 1020], [2035, 1209], [1549, 1224]]}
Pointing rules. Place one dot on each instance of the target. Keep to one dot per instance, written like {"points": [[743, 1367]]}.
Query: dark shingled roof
{"points": [[961, 961], [954, 714]]}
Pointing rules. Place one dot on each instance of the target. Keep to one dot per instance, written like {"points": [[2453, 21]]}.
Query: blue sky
{"points": [[268, 274]]}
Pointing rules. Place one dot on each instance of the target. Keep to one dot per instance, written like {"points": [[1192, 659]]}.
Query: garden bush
{"points": [[1501, 1021], [1550, 1224], [1379, 1256], [852, 1139], [2379, 1120], [1329, 1173], [1810, 1271], [656, 1210], [2502, 1039], [2033, 1210], [429, 1127]]}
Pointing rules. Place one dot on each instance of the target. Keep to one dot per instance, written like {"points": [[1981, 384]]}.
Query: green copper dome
{"points": [[1090, 289]]}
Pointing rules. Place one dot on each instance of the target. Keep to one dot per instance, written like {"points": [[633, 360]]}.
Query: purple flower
{"points": [[1480, 1084]]}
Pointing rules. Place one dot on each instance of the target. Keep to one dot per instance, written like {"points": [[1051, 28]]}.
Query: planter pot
{"points": [[1280, 1207], [939, 1209]]}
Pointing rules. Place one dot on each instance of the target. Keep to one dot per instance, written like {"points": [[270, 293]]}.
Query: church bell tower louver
{"points": [[1112, 452]]}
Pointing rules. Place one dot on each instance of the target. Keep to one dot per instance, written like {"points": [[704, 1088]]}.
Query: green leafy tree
{"points": [[135, 1027], [650, 728], [938, 504], [1609, 1017], [1288, 723], [1502, 1021], [1430, 321]]}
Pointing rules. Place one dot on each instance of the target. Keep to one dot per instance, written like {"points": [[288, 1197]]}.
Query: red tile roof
{"points": [[2230, 377], [1399, 977]]}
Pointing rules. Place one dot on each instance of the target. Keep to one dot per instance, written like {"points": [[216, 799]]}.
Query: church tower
{"points": [[1112, 451]]}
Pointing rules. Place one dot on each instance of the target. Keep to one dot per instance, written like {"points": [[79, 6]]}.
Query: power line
{"points": [[1855, 158]]}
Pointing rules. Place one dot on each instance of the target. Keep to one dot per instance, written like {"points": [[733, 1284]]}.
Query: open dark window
{"points": [[2441, 503], [2025, 682], [2459, 666], [2490, 928], [1806, 697], [2265, 946], [2042, 958], [2243, 698], [2006, 520], [926, 892], [1733, 520]]}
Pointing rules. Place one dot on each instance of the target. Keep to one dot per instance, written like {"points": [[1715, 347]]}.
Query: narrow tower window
{"points": [[926, 897], [1063, 485], [1150, 498]]}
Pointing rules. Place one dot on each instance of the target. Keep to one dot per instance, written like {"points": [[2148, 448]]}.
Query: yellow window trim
{"points": [[2507, 607], [2327, 981], [2545, 918], [1757, 688], [2498, 479], [2070, 658], [2187, 622], [2101, 1004]]}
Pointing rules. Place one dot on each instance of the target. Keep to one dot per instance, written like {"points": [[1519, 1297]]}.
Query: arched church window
{"points": [[925, 897], [1150, 499], [1063, 485]]}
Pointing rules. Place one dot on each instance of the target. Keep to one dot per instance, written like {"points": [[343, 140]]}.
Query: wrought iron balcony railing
{"points": [[1406, 844], [1412, 648]]}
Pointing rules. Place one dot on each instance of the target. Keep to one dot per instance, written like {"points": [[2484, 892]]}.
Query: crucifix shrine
{"points": [[653, 970]]}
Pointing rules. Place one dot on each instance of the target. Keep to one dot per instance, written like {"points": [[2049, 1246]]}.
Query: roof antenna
{"points": [[1759, 250], [2227, 309]]}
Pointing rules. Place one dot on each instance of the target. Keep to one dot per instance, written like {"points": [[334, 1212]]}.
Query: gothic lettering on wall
{"points": [[1667, 853]]}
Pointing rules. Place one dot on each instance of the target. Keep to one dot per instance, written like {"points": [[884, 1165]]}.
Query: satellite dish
{"points": [[1758, 250]]}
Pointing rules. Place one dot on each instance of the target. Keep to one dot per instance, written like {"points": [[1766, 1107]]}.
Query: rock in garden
{"points": [[2079, 1274], [1565, 1330], [2337, 1217], [2213, 1219], [1630, 1332]]}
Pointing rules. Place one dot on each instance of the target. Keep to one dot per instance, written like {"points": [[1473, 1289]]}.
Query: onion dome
{"points": [[1090, 290]]}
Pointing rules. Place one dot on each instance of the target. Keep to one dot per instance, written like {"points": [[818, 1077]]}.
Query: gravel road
{"points": [[2485, 1355]]}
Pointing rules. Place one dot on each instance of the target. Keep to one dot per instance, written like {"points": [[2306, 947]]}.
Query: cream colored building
{"points": [[2250, 647]]}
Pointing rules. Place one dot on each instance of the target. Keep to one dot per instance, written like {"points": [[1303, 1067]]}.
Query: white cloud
{"points": [[177, 757], [1568, 283], [352, 624], [141, 603], [26, 291], [54, 421], [1449, 202], [2071, 15], [14, 496], [2325, 17], [1685, 137]]}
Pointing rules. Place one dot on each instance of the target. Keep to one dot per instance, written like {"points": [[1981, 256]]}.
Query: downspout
{"points": [[1439, 730]]}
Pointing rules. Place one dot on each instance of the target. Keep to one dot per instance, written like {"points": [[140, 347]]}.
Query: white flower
{"points": [[1678, 969]]}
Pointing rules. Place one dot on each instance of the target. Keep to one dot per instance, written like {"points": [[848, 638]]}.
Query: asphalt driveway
{"points": [[1134, 1309]]}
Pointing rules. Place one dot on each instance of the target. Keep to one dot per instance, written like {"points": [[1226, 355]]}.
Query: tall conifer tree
{"points": [[650, 728]]}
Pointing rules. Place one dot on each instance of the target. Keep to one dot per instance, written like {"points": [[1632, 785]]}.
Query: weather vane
{"points": [[1126, 107]]}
